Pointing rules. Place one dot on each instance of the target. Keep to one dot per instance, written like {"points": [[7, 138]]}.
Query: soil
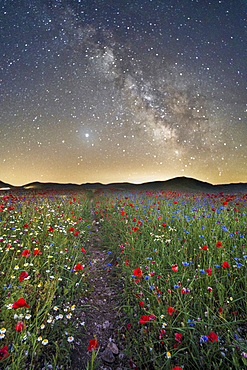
{"points": [[100, 310]]}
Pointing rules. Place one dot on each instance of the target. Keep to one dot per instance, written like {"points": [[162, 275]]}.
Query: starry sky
{"points": [[112, 91]]}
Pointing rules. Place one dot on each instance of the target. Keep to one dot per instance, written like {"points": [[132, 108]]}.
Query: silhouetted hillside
{"points": [[184, 184], [4, 185]]}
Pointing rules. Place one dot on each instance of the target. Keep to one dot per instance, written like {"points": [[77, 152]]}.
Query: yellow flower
{"points": [[168, 355]]}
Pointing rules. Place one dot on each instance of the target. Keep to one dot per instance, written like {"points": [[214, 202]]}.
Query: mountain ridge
{"points": [[181, 183]]}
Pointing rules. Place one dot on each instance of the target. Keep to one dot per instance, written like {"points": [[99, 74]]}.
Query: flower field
{"points": [[180, 258], [42, 274], [183, 260]]}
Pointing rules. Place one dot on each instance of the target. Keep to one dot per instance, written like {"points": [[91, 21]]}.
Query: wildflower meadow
{"points": [[42, 274], [180, 260]]}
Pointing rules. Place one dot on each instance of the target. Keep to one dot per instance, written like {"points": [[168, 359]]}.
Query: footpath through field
{"points": [[100, 316]]}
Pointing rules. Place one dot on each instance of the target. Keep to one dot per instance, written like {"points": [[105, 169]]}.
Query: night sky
{"points": [[112, 91]]}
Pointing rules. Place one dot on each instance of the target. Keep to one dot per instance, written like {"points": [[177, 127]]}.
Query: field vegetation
{"points": [[180, 258]]}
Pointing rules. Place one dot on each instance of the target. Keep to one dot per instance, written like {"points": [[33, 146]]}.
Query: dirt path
{"points": [[100, 313]]}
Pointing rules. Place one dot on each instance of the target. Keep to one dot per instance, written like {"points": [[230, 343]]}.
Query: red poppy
{"points": [[26, 253], [225, 264], [76, 234], [36, 252], [50, 229], [209, 271], [141, 304], [23, 275], [78, 267], [138, 281], [144, 319], [174, 267], [171, 310], [20, 303], [219, 244], [4, 353], [162, 333], [178, 337], [220, 310], [138, 272], [93, 344], [151, 317], [19, 326], [177, 368], [83, 250], [132, 365], [212, 336], [204, 247], [72, 229]]}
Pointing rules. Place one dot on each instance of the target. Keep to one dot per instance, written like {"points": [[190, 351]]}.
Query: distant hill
{"points": [[4, 185], [184, 184]]}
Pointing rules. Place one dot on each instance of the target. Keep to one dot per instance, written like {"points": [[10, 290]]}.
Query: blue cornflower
{"points": [[202, 271], [217, 266], [203, 338], [175, 286], [192, 322], [185, 263], [146, 277]]}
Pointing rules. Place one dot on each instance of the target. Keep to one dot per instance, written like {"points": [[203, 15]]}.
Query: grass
{"points": [[181, 261], [43, 236]]}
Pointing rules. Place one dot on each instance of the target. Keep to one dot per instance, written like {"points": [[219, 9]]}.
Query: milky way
{"points": [[122, 91]]}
